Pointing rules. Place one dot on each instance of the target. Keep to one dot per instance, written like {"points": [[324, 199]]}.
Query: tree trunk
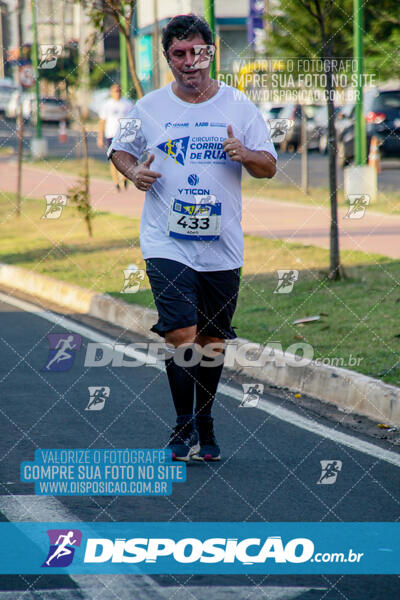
{"points": [[20, 134], [132, 68], [304, 150], [86, 176], [335, 269]]}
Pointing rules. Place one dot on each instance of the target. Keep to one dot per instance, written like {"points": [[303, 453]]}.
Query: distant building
{"points": [[62, 22]]}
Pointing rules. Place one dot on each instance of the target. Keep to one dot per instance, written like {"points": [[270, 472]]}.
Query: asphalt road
{"points": [[268, 473], [289, 171]]}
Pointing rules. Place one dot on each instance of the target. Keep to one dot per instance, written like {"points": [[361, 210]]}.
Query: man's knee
{"points": [[178, 337], [210, 344]]}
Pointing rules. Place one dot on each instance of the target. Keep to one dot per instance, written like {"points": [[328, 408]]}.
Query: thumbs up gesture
{"points": [[143, 177], [234, 147]]}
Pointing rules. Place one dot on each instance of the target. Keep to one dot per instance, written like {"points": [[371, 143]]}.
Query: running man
{"points": [[62, 346], [113, 109], [99, 396], [193, 260], [62, 549]]}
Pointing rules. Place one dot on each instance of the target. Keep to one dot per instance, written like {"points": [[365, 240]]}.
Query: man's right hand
{"points": [[100, 142], [143, 177]]}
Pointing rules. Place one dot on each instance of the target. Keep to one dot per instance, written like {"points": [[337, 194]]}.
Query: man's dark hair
{"points": [[184, 26]]}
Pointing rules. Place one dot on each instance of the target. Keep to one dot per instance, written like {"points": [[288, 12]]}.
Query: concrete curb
{"points": [[348, 390]]}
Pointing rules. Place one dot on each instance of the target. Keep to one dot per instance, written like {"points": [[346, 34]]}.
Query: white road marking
{"points": [[273, 409]]}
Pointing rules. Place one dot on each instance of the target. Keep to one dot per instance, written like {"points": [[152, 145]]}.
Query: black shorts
{"points": [[186, 297]]}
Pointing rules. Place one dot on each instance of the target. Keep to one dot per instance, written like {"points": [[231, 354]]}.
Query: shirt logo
{"points": [[202, 124], [176, 149], [169, 124], [62, 547], [193, 179]]}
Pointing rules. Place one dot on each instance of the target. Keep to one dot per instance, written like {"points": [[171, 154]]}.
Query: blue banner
{"points": [[191, 548]]}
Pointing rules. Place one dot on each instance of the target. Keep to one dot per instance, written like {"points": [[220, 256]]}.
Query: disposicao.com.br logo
{"points": [[191, 550]]}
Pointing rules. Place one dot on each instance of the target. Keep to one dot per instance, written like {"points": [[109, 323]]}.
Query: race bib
{"points": [[195, 221]]}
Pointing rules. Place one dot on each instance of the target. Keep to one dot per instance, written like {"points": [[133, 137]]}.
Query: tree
{"points": [[122, 12], [294, 32], [318, 43]]}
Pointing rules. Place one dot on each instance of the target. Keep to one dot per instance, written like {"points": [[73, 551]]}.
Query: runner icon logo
{"points": [[279, 129], [62, 547], [329, 471], [133, 277], [62, 351], [286, 280], [251, 394], [97, 397], [54, 206], [128, 129], [358, 204], [176, 149], [49, 53], [204, 53]]}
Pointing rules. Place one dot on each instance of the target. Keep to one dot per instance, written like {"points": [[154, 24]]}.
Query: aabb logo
{"points": [[176, 149], [62, 547]]}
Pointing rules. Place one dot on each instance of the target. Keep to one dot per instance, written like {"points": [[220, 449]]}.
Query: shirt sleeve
{"points": [[257, 136], [129, 137]]}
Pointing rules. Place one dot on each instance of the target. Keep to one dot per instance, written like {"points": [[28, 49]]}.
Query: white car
{"points": [[6, 91], [27, 99]]}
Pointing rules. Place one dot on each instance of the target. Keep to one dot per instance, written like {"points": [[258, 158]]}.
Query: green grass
{"points": [[360, 315], [72, 166]]}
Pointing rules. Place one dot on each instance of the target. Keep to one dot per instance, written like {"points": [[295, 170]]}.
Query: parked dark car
{"points": [[383, 120], [382, 116], [273, 112], [293, 138]]}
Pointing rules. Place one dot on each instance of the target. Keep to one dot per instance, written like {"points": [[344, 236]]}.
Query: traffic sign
{"points": [[26, 76]]}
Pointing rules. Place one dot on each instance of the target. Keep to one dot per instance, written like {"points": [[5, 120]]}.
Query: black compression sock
{"points": [[181, 382], [207, 382]]}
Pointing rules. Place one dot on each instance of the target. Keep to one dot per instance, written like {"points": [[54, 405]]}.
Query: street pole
{"points": [[209, 14], [156, 53], [36, 70], [360, 142], [1, 44], [304, 150]]}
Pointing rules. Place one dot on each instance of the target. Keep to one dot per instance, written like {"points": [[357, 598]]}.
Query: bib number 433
{"points": [[194, 222], [200, 221]]}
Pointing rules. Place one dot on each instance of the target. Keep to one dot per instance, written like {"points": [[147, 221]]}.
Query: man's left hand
{"points": [[234, 147]]}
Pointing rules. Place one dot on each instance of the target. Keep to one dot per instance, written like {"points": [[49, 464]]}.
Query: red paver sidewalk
{"points": [[375, 232]]}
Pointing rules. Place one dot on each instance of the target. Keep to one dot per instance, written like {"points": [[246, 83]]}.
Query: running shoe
{"points": [[209, 449], [184, 440]]}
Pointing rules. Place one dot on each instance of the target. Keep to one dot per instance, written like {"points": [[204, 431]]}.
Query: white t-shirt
{"points": [[113, 110], [186, 140]]}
